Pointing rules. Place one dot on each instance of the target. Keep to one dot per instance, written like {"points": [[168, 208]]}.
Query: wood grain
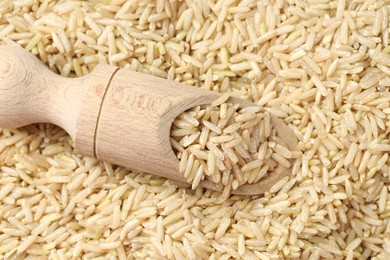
{"points": [[136, 118], [95, 89], [31, 93]]}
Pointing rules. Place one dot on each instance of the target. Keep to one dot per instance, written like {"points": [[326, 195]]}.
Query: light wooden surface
{"points": [[30, 93], [136, 118], [95, 87], [115, 115]]}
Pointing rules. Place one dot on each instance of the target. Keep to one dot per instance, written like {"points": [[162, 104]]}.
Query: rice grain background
{"points": [[322, 66], [228, 144]]}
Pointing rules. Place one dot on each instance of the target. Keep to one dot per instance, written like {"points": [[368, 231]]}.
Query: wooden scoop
{"points": [[115, 115]]}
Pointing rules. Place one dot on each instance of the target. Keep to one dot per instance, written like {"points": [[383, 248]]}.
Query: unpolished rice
{"points": [[234, 144], [331, 210]]}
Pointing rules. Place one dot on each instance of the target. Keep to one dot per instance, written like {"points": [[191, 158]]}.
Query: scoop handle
{"points": [[31, 93]]}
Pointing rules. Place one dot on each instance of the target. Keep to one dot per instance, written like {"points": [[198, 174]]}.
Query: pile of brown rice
{"points": [[228, 144], [322, 66]]}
